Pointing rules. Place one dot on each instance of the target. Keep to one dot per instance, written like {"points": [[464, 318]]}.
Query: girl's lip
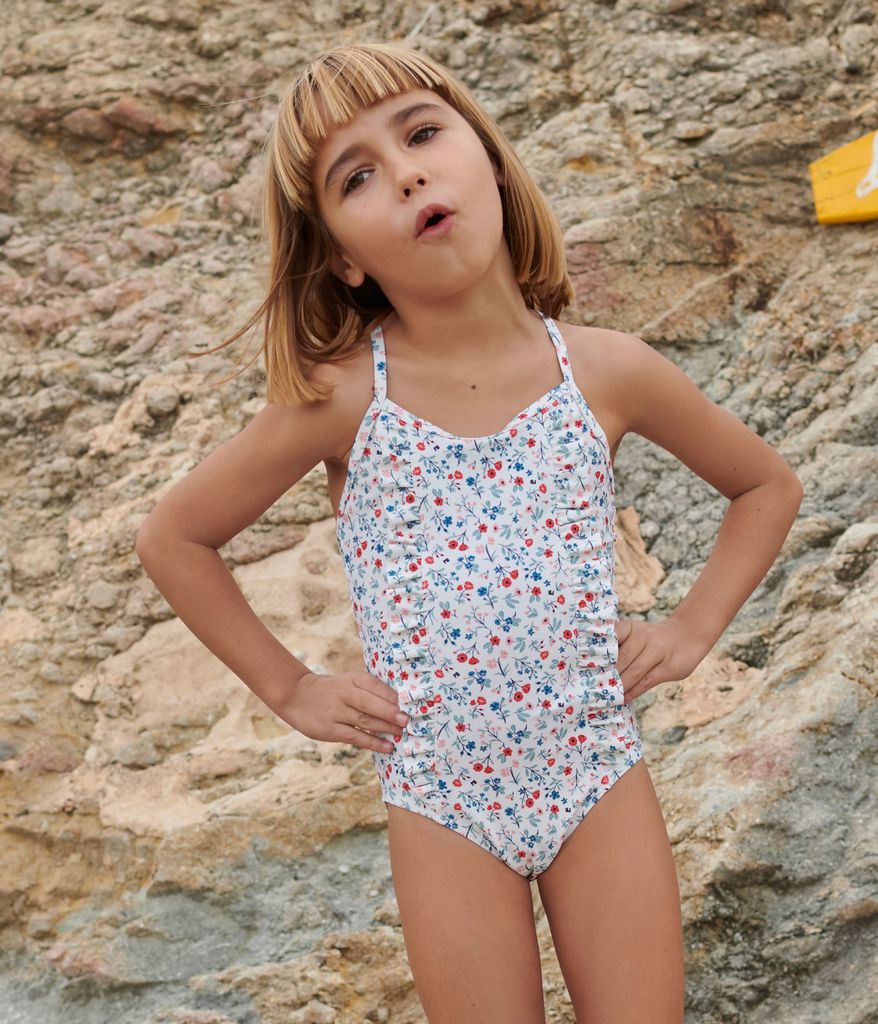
{"points": [[440, 229]]}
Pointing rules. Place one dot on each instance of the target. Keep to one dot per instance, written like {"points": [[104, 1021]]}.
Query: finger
{"points": [[646, 682], [366, 715], [633, 661], [378, 688], [639, 669], [364, 740], [370, 700]]}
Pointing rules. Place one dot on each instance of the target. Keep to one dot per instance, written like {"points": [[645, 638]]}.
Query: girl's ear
{"points": [[498, 174], [352, 275]]}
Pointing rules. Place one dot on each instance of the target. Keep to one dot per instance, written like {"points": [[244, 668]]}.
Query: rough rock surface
{"points": [[171, 851]]}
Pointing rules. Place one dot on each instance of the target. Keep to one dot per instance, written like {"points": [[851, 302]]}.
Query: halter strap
{"points": [[560, 347], [379, 361]]}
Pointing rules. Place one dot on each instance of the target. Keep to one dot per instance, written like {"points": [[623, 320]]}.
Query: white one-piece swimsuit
{"points": [[481, 576]]}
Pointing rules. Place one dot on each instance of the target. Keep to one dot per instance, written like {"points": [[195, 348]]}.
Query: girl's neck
{"points": [[474, 340]]}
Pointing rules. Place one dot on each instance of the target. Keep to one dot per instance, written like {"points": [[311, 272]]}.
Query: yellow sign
{"points": [[845, 182]]}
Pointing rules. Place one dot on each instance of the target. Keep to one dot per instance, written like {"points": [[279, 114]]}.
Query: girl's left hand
{"points": [[655, 652]]}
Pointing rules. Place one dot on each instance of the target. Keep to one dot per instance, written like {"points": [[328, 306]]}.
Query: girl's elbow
{"points": [[148, 538], [793, 487], [788, 479]]}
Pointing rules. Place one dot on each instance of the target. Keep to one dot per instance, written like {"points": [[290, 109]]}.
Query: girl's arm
{"points": [[178, 541], [661, 403]]}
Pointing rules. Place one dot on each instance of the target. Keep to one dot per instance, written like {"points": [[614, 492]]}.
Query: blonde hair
{"points": [[311, 316]]}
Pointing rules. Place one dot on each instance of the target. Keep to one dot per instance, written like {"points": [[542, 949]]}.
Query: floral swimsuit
{"points": [[481, 576]]}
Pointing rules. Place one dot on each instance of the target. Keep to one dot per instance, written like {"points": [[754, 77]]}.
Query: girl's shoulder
{"points": [[600, 361], [351, 381], [597, 353]]}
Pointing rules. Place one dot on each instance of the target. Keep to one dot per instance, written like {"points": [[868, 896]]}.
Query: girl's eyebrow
{"points": [[394, 121]]}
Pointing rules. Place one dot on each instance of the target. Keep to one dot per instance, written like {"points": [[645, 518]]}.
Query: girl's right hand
{"points": [[346, 708]]}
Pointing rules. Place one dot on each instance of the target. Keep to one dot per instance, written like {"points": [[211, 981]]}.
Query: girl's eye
{"points": [[348, 187]]}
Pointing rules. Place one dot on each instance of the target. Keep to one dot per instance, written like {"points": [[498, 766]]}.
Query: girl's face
{"points": [[373, 176]]}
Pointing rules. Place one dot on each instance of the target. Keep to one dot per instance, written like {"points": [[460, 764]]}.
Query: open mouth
{"points": [[437, 224]]}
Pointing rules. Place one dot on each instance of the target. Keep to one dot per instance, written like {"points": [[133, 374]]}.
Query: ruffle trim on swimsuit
{"points": [[409, 591], [584, 517]]}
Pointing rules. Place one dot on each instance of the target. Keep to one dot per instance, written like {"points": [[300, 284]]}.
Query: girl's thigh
{"points": [[468, 925], [613, 905]]}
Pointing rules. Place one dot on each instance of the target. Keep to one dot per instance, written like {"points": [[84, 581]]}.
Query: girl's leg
{"points": [[613, 905], [468, 925]]}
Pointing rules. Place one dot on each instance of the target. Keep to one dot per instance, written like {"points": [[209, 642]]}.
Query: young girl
{"points": [[468, 437]]}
